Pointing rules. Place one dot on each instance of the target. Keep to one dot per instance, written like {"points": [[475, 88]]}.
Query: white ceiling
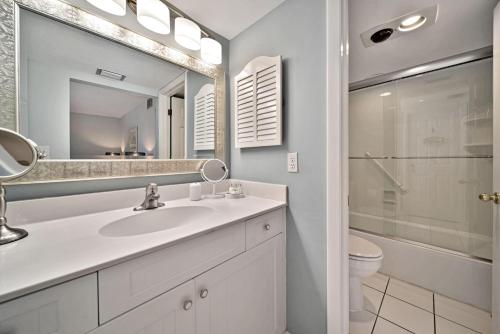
{"points": [[103, 101], [226, 17], [462, 25]]}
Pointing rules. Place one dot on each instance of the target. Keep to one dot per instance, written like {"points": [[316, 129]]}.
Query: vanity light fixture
{"points": [[187, 33], [412, 22], [115, 7], [211, 51], [154, 15]]}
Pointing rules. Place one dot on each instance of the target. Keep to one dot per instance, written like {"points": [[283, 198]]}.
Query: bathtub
{"points": [[451, 263]]}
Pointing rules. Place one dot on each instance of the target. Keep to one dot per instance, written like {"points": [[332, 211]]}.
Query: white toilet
{"points": [[365, 258]]}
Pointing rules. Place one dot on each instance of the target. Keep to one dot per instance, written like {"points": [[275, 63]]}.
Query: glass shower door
{"points": [[420, 152]]}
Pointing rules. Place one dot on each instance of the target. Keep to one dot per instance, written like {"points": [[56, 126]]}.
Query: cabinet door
{"points": [[68, 308], [170, 313], [245, 295]]}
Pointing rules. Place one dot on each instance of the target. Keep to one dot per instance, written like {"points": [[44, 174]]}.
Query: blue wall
{"points": [[297, 31]]}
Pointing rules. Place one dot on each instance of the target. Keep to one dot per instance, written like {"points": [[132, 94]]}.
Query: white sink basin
{"points": [[155, 220]]}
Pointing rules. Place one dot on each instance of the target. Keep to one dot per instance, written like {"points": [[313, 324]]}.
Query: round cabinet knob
{"points": [[187, 305], [204, 293], [267, 227]]}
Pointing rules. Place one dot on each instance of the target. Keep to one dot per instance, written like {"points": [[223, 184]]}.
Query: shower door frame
{"points": [[456, 60]]}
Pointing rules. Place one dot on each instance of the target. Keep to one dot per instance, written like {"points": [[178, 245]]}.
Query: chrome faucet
{"points": [[151, 200]]}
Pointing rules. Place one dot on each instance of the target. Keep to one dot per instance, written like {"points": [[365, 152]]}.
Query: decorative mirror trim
{"points": [[64, 170]]}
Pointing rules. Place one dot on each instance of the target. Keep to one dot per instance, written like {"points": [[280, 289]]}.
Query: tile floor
{"points": [[396, 307]]}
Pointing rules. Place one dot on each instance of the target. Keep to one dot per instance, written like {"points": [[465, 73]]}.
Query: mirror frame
{"points": [[77, 170]]}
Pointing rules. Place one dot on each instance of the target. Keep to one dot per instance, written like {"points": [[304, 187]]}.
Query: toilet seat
{"points": [[363, 250]]}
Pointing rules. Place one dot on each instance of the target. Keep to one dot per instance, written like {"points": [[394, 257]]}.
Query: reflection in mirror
{"points": [[17, 155], [91, 98], [214, 171]]}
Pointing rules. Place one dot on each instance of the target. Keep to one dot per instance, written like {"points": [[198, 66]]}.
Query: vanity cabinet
{"points": [[229, 280], [245, 295], [69, 308], [129, 284], [171, 313]]}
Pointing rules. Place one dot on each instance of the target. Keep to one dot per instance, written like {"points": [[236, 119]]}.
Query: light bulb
{"points": [[115, 7], [187, 33], [154, 15], [211, 51], [412, 23]]}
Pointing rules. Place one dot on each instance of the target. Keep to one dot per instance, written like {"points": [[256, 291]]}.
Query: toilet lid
{"points": [[363, 248]]}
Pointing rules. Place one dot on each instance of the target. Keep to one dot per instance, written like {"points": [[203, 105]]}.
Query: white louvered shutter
{"points": [[204, 118], [258, 103]]}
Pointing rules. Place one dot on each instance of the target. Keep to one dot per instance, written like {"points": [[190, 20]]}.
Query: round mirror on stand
{"points": [[18, 155], [214, 171]]}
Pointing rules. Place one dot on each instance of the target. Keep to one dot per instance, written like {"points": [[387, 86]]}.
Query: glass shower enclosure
{"points": [[420, 153]]}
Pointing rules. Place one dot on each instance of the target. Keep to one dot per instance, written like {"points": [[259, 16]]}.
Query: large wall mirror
{"points": [[103, 101]]}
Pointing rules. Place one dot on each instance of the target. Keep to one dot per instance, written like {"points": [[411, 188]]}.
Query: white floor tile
{"points": [[373, 299], [377, 281], [463, 314], [385, 327], [407, 316], [361, 322], [444, 326], [411, 294]]}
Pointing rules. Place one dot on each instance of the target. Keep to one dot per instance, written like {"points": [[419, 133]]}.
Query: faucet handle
{"points": [[152, 189]]}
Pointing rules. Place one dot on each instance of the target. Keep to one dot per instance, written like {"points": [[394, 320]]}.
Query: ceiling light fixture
{"points": [[412, 22], [154, 15], [187, 33], [211, 51], [115, 7], [384, 94]]}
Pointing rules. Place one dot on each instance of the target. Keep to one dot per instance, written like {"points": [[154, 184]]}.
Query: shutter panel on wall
{"points": [[258, 103], [204, 118]]}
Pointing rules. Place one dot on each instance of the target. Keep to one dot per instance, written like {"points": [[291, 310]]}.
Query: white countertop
{"points": [[59, 250]]}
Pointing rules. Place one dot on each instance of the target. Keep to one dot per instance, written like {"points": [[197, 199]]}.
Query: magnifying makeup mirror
{"points": [[18, 156], [214, 171]]}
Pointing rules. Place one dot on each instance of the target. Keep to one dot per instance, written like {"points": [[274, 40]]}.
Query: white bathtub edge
{"points": [[465, 279]]}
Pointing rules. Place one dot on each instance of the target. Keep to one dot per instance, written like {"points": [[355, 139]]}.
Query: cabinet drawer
{"points": [[69, 308], [124, 286], [262, 228], [172, 312]]}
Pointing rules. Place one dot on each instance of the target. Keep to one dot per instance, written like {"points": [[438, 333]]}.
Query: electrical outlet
{"points": [[293, 162]]}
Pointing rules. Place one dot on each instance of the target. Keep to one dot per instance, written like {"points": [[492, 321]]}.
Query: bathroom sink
{"points": [[155, 221]]}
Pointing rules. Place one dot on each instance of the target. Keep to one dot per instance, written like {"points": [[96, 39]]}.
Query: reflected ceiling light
{"points": [[384, 94], [154, 15], [115, 7], [187, 33], [211, 51], [412, 22]]}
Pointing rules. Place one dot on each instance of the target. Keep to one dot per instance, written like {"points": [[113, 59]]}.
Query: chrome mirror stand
{"points": [[8, 234]]}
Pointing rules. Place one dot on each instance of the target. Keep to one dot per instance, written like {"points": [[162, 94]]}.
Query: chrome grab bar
{"points": [[398, 184]]}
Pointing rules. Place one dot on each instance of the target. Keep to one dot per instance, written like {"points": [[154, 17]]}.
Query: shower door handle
{"points": [[495, 197]]}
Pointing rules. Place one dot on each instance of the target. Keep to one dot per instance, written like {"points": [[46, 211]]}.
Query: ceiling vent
{"points": [[400, 26], [110, 75]]}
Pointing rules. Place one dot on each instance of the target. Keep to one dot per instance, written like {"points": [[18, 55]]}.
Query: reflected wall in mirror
{"points": [[82, 96]]}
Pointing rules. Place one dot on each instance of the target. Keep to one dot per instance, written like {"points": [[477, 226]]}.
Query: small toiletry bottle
{"points": [[195, 191]]}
